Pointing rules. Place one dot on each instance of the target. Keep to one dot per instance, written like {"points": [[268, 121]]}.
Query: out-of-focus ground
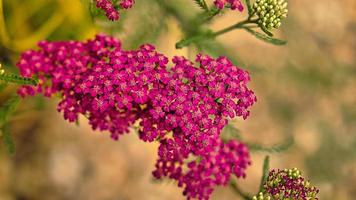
{"points": [[306, 89]]}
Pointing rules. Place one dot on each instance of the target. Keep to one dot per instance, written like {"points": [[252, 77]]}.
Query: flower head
{"points": [[211, 169], [270, 12], [287, 184], [178, 107], [109, 8]]}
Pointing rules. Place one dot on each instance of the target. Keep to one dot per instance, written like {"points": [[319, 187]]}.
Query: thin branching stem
{"points": [[235, 26], [265, 171], [211, 35]]}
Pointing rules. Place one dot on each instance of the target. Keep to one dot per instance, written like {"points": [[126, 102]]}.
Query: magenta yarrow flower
{"points": [[184, 107], [109, 8], [232, 4], [212, 168], [125, 4]]}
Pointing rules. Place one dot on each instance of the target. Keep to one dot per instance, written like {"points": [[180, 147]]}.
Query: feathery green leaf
{"points": [[202, 4], [249, 7], [8, 108], [230, 132], [265, 30], [13, 78], [266, 38], [7, 139], [272, 149]]}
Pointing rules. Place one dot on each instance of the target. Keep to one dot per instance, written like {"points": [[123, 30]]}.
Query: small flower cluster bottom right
{"points": [[287, 184]]}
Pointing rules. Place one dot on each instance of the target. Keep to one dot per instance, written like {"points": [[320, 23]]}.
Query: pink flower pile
{"points": [[184, 106], [233, 4], [108, 7]]}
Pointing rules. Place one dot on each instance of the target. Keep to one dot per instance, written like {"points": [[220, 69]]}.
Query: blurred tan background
{"points": [[306, 90]]}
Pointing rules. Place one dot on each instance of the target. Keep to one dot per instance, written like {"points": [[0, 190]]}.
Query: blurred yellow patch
{"points": [[18, 34]]}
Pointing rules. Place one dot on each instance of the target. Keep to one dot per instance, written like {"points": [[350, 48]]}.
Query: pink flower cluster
{"points": [[184, 107], [233, 4], [206, 170], [108, 7]]}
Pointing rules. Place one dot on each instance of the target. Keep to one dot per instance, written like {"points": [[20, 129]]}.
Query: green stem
{"points": [[238, 191], [265, 171], [209, 35], [230, 28]]}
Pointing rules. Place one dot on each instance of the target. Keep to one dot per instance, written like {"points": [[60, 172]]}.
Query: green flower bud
{"points": [[261, 196], [270, 12], [2, 71], [293, 173]]}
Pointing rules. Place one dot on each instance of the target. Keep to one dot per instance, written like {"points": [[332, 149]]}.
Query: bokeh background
{"points": [[306, 91]]}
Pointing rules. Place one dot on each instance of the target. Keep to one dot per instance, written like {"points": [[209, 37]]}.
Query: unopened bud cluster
{"points": [[293, 173], [261, 196], [287, 184], [270, 12]]}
